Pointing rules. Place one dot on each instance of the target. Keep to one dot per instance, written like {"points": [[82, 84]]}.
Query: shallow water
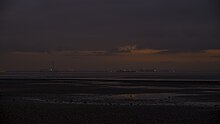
{"points": [[114, 88], [177, 76]]}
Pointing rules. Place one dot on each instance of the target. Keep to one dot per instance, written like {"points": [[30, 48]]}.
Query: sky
{"points": [[179, 35]]}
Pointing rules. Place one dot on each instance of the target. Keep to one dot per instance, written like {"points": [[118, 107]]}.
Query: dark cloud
{"points": [[67, 25]]}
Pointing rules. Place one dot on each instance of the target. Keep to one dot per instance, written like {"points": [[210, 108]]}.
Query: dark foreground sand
{"points": [[42, 113], [74, 102]]}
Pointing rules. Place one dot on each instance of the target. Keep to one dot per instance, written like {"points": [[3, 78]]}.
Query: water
{"points": [[113, 76], [121, 88]]}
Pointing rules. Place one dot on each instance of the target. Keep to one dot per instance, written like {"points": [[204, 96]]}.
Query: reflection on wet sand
{"points": [[144, 101], [126, 99]]}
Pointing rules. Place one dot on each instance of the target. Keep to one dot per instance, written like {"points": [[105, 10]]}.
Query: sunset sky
{"points": [[179, 35]]}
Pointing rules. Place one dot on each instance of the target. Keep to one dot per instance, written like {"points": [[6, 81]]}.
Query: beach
{"points": [[108, 100]]}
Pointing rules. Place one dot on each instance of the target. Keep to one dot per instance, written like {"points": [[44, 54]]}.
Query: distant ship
{"points": [[52, 66]]}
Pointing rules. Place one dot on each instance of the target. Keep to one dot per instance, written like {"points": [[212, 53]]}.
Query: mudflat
{"points": [[108, 101]]}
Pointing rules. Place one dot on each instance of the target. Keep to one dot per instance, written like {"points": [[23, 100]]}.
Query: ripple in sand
{"points": [[122, 99]]}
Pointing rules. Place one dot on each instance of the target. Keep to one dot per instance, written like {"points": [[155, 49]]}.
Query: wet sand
{"points": [[87, 101]]}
